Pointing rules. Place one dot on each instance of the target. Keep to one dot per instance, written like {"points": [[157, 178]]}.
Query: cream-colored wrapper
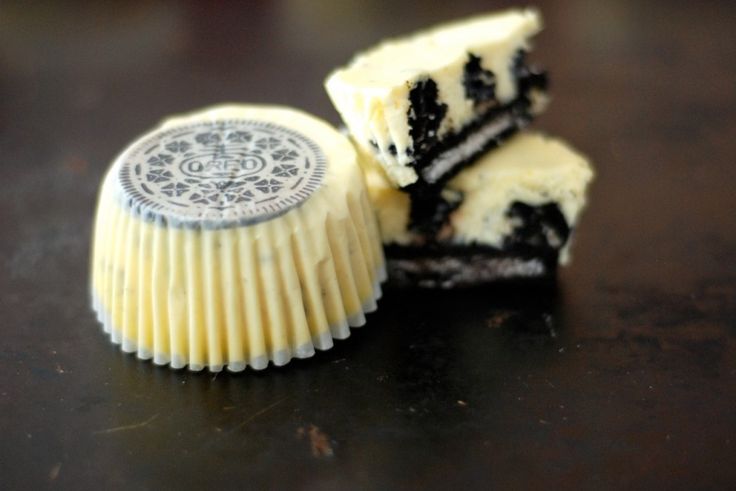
{"points": [[255, 286]]}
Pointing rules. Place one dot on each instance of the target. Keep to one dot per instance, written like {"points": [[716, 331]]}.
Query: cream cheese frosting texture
{"points": [[232, 237]]}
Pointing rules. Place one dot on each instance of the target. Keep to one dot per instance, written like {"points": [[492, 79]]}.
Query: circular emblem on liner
{"points": [[222, 173]]}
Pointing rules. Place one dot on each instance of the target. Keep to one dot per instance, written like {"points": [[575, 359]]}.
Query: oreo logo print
{"points": [[214, 166], [221, 173]]}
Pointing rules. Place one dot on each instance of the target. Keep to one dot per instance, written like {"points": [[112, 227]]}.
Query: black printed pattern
{"points": [[224, 172]]}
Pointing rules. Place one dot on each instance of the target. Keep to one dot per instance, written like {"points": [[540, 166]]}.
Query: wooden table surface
{"points": [[624, 377]]}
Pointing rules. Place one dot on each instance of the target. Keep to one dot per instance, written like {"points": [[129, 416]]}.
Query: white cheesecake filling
{"points": [[372, 92], [530, 168]]}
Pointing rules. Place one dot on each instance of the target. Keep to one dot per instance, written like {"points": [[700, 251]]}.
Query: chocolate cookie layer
{"points": [[466, 265], [531, 250]]}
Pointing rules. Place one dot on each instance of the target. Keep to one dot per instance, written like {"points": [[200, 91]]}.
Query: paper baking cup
{"points": [[234, 237]]}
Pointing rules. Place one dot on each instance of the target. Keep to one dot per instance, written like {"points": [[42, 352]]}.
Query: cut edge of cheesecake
{"points": [[532, 169], [406, 93]]}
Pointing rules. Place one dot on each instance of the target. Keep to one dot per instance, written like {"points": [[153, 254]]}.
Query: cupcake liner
{"points": [[190, 293]]}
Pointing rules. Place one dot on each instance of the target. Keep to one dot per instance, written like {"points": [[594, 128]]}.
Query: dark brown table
{"points": [[624, 377]]}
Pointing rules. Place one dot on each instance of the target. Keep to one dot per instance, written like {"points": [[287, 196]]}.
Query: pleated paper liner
{"points": [[203, 295]]}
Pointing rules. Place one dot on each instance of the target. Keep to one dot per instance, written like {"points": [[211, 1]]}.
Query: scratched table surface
{"points": [[624, 376]]}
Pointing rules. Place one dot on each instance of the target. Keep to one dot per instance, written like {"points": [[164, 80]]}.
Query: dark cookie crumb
{"points": [[528, 76], [480, 84], [429, 213], [425, 115], [537, 226]]}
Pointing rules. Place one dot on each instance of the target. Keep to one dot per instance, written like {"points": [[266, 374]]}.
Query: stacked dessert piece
{"points": [[460, 196]]}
